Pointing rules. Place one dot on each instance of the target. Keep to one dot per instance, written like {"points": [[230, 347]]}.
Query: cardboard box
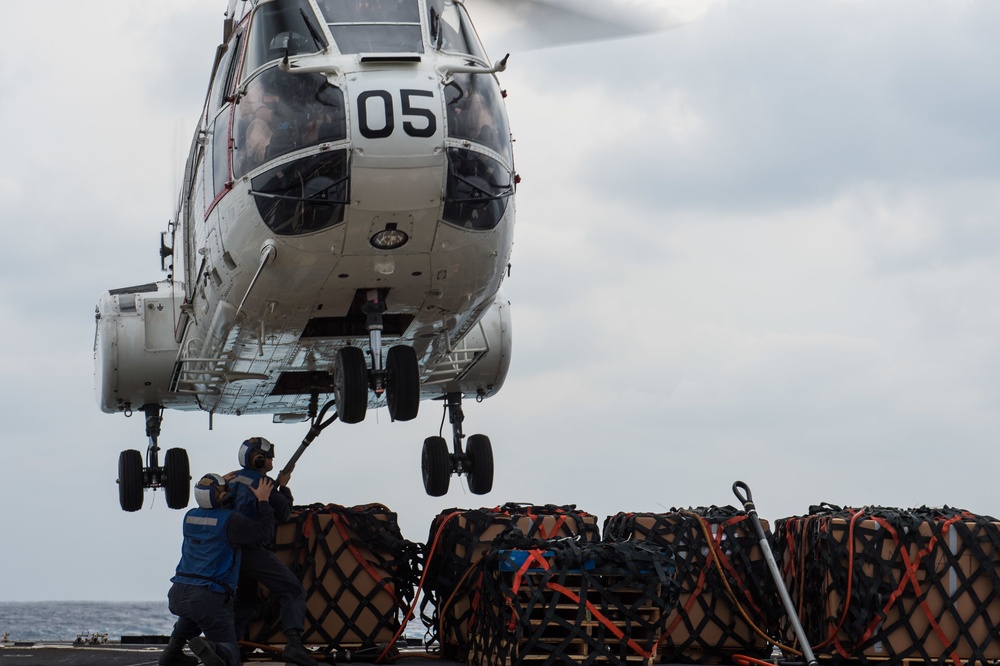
{"points": [[927, 593], [465, 536], [706, 621], [351, 595]]}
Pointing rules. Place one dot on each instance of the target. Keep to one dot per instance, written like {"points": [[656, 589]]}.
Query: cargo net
{"points": [[572, 602], [888, 585], [458, 540], [358, 572], [727, 599]]}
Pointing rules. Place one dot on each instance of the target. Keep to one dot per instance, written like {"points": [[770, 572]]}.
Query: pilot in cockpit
{"points": [[283, 112], [273, 129], [472, 119]]}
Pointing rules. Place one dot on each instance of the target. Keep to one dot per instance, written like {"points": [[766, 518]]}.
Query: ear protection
{"points": [[255, 452]]}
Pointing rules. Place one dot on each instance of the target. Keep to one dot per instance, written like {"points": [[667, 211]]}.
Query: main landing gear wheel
{"points": [[476, 461], [174, 476], [480, 454], [435, 463], [130, 480], [350, 384], [177, 478], [402, 391]]}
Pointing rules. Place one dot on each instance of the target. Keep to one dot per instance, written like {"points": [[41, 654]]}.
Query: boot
{"points": [[173, 654], [294, 650], [205, 650]]}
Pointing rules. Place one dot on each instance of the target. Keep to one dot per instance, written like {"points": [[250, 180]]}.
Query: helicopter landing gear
{"points": [[174, 476], [402, 383], [350, 384], [398, 377], [437, 464]]}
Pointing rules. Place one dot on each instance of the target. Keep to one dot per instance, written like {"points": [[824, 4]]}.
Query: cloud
{"points": [[765, 102], [760, 245]]}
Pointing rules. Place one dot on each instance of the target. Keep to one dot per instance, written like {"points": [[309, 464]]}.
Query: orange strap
{"points": [[603, 620], [338, 521]]}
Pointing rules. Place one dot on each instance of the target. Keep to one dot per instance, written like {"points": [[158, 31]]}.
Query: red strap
{"points": [[338, 521], [603, 620]]}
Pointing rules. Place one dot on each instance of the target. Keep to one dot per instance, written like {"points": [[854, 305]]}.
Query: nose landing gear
{"points": [[476, 461], [174, 476], [398, 377]]}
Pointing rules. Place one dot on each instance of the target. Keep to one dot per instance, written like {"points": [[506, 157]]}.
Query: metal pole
{"points": [[747, 500]]}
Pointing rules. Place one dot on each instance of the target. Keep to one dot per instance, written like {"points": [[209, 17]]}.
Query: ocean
{"points": [[66, 620]]}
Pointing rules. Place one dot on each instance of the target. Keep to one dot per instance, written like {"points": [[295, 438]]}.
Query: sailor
{"points": [[204, 585], [259, 563]]}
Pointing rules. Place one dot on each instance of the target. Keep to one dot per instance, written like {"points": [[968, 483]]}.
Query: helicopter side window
{"points": [[475, 112], [280, 28], [374, 26], [220, 152], [451, 30], [283, 112], [477, 191]]}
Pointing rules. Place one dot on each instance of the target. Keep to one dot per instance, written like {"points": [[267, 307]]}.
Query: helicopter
{"points": [[342, 233]]}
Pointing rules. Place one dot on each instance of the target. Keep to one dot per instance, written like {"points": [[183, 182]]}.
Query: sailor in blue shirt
{"points": [[259, 563], [205, 582]]}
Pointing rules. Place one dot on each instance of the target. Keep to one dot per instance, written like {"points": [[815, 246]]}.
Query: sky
{"points": [[760, 245]]}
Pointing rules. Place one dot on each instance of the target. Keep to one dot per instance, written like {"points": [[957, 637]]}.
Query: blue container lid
{"points": [[513, 560]]}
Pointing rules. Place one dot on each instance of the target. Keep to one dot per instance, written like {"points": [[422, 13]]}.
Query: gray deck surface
{"points": [[52, 653], [67, 654]]}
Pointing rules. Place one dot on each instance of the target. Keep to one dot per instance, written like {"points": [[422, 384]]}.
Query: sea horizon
{"points": [[67, 620]]}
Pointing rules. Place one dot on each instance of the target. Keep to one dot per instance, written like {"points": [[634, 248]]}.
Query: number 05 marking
{"points": [[423, 129]]}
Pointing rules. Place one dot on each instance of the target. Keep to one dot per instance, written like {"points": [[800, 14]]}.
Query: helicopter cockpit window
{"points": [[475, 112], [451, 31], [279, 28], [283, 112], [303, 196], [477, 191], [374, 26]]}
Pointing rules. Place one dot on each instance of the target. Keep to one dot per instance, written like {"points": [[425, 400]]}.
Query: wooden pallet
{"points": [[554, 621]]}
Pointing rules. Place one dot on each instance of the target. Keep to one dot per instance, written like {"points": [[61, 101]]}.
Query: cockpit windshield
{"points": [[285, 27], [451, 31], [475, 112], [374, 26], [281, 113]]}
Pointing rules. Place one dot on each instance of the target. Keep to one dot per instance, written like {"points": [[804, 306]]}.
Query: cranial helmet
{"points": [[210, 492], [254, 452]]}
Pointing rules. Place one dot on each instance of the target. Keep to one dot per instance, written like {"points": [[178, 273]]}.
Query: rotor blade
{"points": [[526, 25]]}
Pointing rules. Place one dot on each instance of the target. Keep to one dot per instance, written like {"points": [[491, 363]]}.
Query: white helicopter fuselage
{"points": [[382, 193]]}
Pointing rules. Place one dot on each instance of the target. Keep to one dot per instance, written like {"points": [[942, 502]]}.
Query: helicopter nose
{"points": [[397, 139], [395, 116]]}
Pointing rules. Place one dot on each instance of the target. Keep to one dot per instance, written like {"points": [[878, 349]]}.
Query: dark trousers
{"points": [[199, 610], [258, 564]]}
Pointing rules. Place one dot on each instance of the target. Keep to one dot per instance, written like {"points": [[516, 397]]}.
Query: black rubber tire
{"points": [[480, 453], [130, 480], [402, 390], [350, 384], [177, 478], [435, 463]]}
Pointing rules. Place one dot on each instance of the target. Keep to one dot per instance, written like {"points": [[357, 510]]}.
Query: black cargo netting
{"points": [[458, 540], [572, 602], [895, 584], [710, 619], [358, 571]]}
